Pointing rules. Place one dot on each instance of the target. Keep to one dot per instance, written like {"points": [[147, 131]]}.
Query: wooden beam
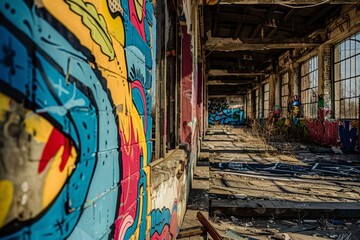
{"points": [[267, 16], [285, 209], [215, 23], [228, 46], [293, 2], [220, 82], [242, 55], [208, 226], [244, 18], [186, 233], [220, 72], [237, 31], [284, 19]]}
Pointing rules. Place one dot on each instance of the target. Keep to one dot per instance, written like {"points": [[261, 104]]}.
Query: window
{"points": [[309, 87], [347, 77], [265, 100], [284, 93]]}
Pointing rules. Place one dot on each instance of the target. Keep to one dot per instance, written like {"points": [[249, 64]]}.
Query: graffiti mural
{"points": [[221, 113], [296, 110], [164, 223], [348, 135], [323, 132], [75, 119]]}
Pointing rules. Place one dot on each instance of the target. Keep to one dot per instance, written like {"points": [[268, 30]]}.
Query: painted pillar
{"points": [[325, 86], [186, 88], [295, 79], [261, 101], [325, 74], [277, 90]]}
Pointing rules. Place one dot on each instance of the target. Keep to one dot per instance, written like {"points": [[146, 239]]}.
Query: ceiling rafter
{"points": [[284, 19], [267, 16]]}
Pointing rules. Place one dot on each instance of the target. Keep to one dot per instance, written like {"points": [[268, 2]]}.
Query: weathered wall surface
{"points": [[169, 193], [75, 123], [342, 134], [221, 111], [186, 88]]}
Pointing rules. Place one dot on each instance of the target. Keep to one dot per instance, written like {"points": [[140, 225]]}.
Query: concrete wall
{"points": [[75, 121], [170, 179]]}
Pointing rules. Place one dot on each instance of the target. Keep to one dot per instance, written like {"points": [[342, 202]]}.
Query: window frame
{"points": [[347, 77], [309, 86], [265, 101], [284, 85]]}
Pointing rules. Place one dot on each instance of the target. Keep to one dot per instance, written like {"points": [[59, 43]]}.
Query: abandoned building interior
{"points": [[153, 119]]}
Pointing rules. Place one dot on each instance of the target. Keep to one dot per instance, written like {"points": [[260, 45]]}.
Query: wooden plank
{"points": [[284, 209], [184, 233], [208, 226]]}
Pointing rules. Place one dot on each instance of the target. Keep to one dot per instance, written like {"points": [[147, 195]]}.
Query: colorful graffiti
{"points": [[164, 223], [221, 113], [348, 135], [323, 132], [75, 119], [275, 114], [326, 131], [296, 110]]}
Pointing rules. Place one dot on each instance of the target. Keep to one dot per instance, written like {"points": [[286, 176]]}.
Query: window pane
{"points": [[347, 68], [342, 50], [353, 87], [309, 84]]}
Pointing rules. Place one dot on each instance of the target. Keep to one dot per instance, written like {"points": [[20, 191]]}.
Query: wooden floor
{"points": [[256, 186]]}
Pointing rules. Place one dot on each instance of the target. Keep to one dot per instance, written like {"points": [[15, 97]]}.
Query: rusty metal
{"points": [[208, 227]]}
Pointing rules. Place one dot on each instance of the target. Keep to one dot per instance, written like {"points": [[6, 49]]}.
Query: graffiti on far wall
{"points": [[221, 113]]}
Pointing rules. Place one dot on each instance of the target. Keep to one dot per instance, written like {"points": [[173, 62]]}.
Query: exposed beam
{"points": [[220, 72], [242, 55], [292, 2], [276, 41], [233, 46], [237, 31], [244, 18], [267, 16], [284, 19], [219, 82], [215, 23], [318, 15]]}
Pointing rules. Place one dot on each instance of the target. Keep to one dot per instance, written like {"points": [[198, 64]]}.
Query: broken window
{"points": [[265, 100], [309, 87], [347, 77], [284, 93]]}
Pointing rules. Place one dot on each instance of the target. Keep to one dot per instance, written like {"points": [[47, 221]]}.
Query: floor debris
{"points": [[280, 190]]}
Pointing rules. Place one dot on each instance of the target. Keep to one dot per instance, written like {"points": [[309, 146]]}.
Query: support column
{"points": [[295, 80], [277, 90], [325, 75]]}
